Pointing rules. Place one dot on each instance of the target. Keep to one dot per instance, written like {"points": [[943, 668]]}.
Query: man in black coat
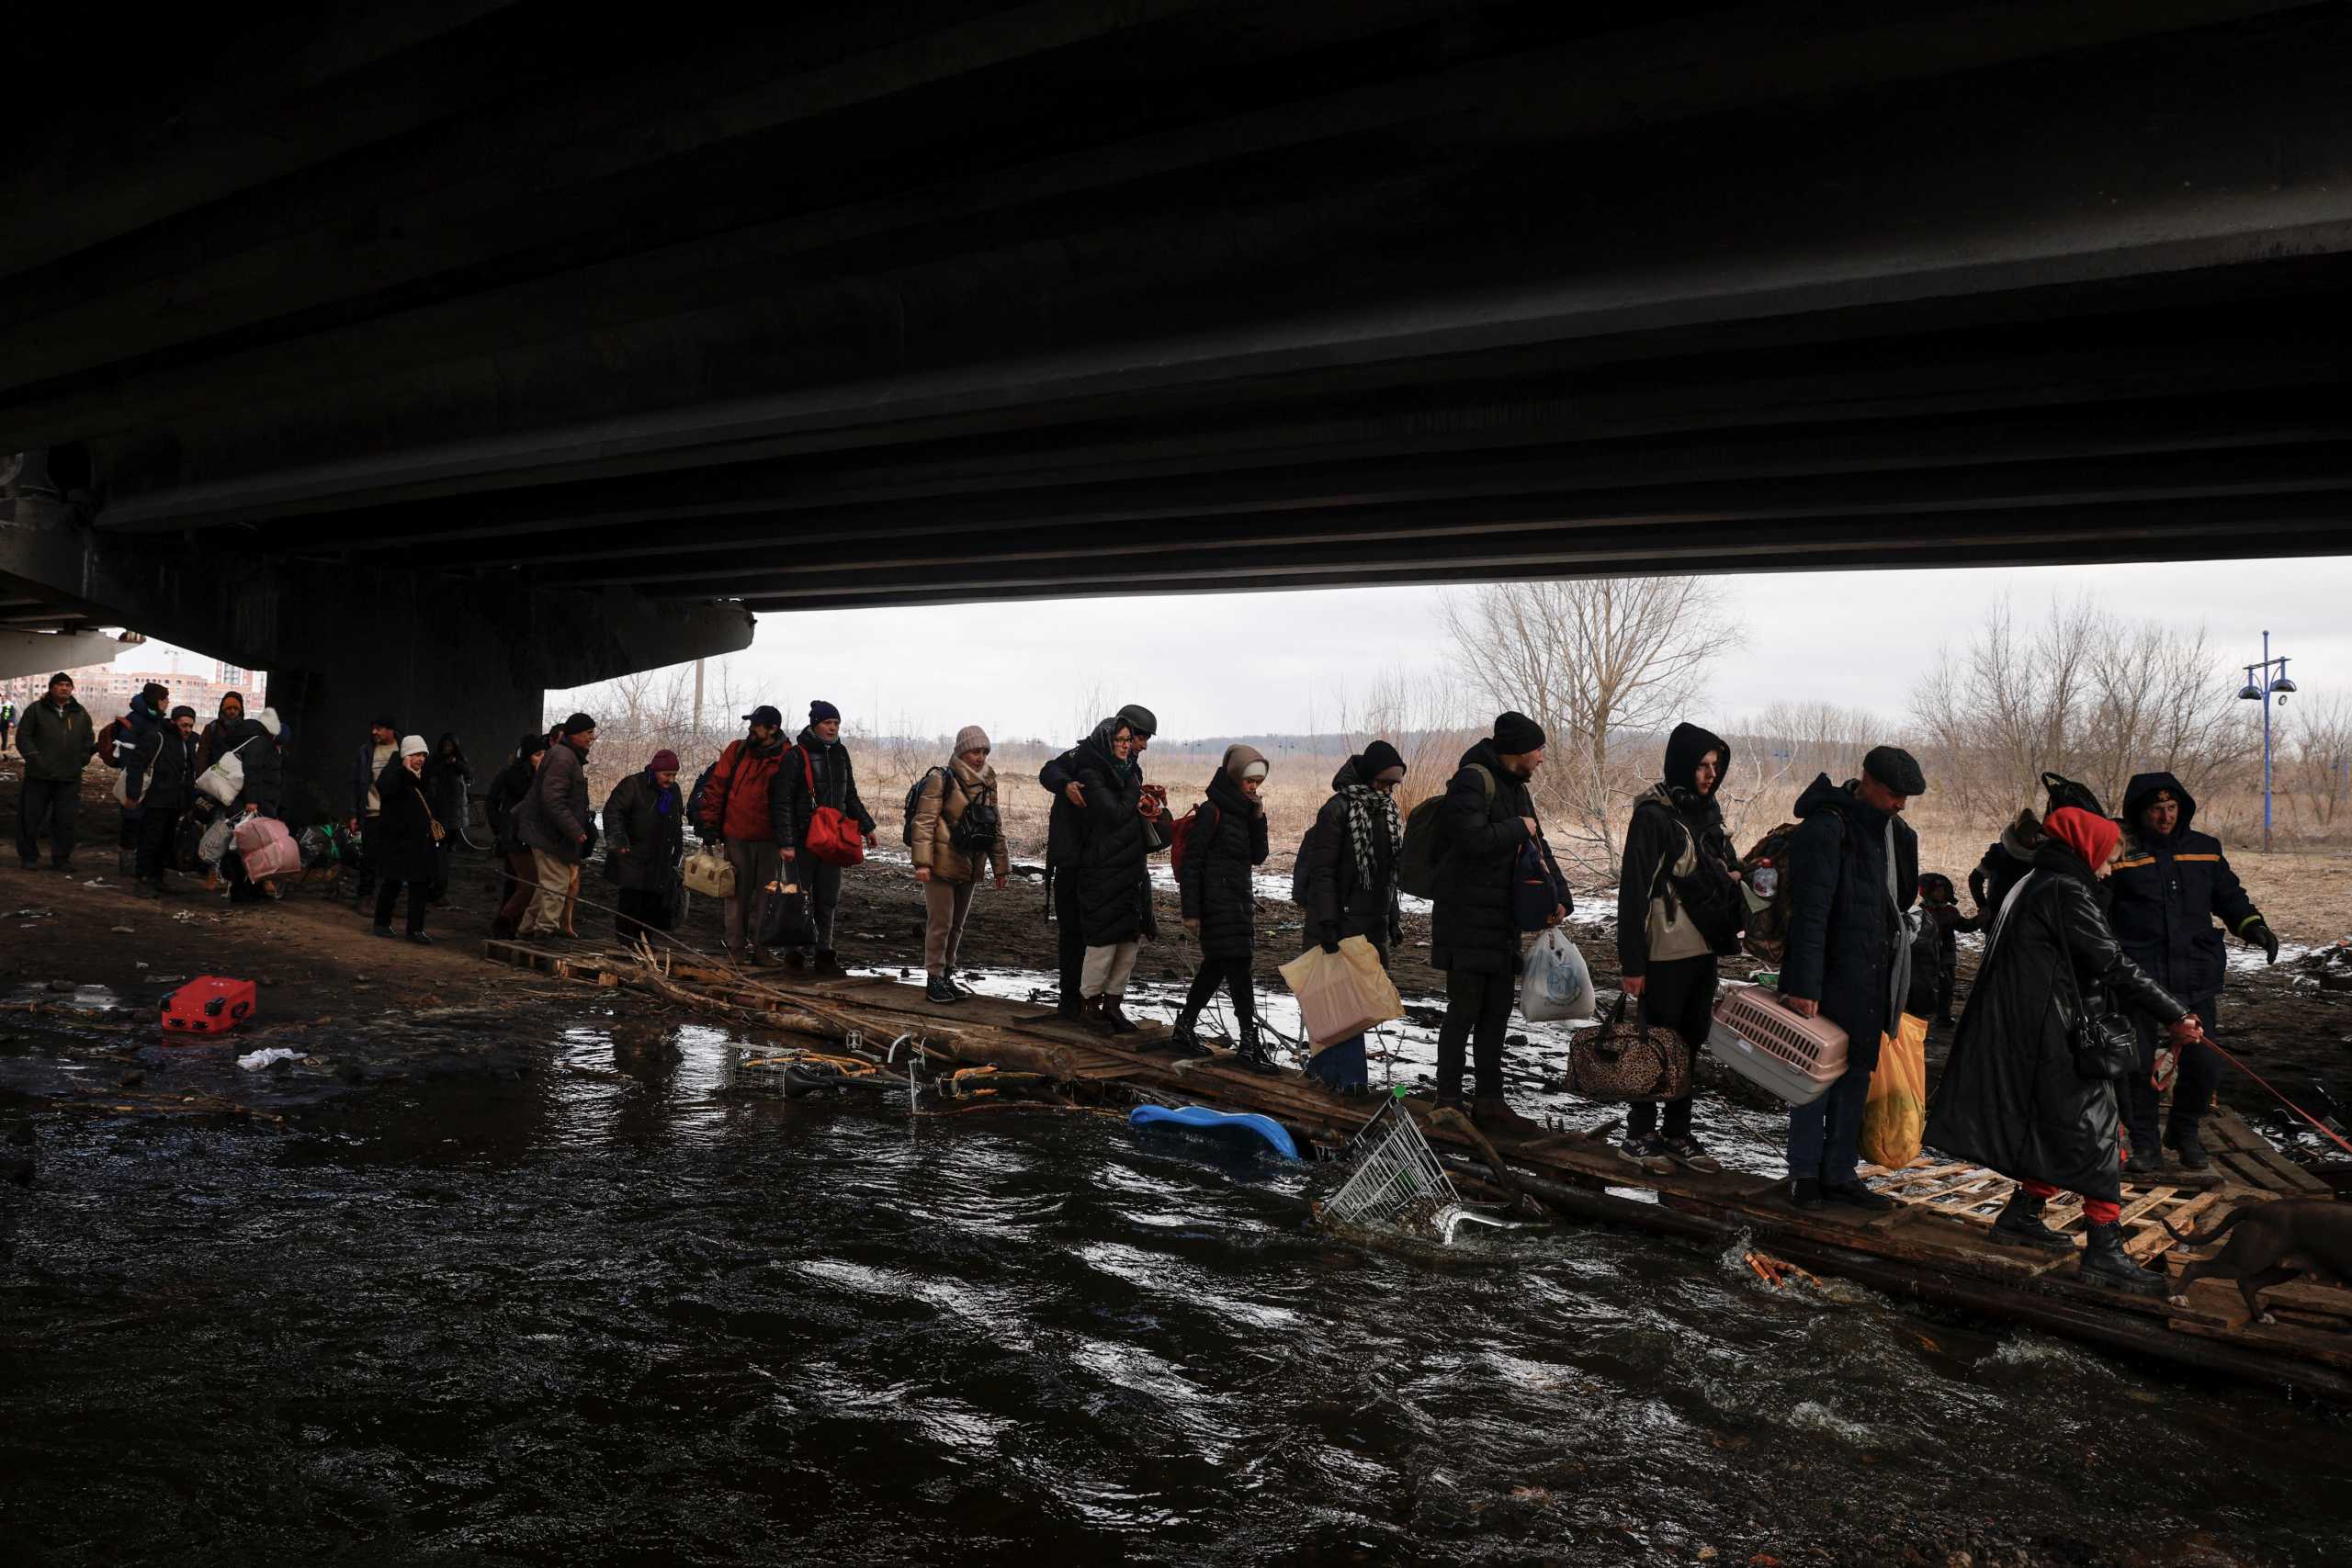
{"points": [[2168, 888], [1855, 869], [160, 780], [1474, 935], [815, 772], [1066, 827]]}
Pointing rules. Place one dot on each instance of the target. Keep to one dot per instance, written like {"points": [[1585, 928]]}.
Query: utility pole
{"points": [[697, 701], [2263, 691]]}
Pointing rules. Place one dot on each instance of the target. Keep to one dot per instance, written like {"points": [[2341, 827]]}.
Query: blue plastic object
{"points": [[1201, 1119]]}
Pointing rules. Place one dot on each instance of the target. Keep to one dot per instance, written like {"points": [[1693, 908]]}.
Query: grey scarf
{"points": [[1365, 804]]}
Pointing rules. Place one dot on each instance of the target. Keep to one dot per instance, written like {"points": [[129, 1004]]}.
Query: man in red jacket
{"points": [[735, 808]]}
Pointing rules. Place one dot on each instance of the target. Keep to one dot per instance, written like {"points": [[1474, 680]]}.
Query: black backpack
{"points": [[1708, 897], [914, 796], [1418, 860], [1300, 866], [973, 834]]}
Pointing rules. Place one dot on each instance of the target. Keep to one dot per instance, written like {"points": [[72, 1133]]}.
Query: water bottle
{"points": [[1764, 879]]}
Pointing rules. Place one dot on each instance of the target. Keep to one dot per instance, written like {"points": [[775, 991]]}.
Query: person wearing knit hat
{"points": [[1345, 879], [817, 772], [955, 828], [2018, 1094], [1853, 872], [1066, 828], [1218, 880], [737, 812], [518, 880], [556, 822], [403, 849], [1487, 825], [645, 839]]}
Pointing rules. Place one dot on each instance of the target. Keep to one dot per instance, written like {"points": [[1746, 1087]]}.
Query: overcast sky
{"points": [[1253, 662]]}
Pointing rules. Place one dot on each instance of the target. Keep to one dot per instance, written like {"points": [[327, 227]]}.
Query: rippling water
{"points": [[587, 1320]]}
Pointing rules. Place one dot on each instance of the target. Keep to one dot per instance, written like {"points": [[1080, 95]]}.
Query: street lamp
{"points": [[2259, 691]]}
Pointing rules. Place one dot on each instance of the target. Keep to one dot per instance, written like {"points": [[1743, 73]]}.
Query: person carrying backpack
{"points": [[1679, 909], [816, 773], [1488, 817], [738, 807], [1224, 846], [1349, 881], [953, 829]]}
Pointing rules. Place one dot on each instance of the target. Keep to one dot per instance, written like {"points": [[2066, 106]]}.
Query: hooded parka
{"points": [[1226, 843], [1675, 831], [1845, 928], [2166, 891], [1342, 900], [2009, 1097], [1111, 869], [1472, 928]]}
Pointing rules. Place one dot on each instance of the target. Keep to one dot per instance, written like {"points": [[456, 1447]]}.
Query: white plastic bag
{"points": [[224, 779], [1558, 985], [1341, 994]]}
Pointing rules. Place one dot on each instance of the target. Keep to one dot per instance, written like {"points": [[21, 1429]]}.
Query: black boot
{"points": [[2106, 1263], [938, 989], [2188, 1145], [2020, 1226], [1804, 1192], [1097, 1017], [2145, 1161], [1251, 1052], [1181, 1040]]}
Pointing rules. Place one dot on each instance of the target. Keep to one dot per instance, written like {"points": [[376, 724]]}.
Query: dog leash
{"points": [[2281, 1099]]}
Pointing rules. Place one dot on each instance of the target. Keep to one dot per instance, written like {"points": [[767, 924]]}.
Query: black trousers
{"points": [[2192, 1090], [47, 804], [1679, 994], [389, 893], [1478, 1011], [1234, 974], [1069, 940], [367, 858], [641, 909], [158, 826]]}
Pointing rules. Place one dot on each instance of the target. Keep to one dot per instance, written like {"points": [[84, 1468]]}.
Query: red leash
{"points": [[2280, 1097]]}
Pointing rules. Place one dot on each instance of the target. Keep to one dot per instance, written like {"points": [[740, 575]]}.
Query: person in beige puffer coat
{"points": [[949, 852]]}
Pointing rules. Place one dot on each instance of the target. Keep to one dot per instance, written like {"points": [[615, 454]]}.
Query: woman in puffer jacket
{"points": [[1113, 885], [956, 830], [1217, 878]]}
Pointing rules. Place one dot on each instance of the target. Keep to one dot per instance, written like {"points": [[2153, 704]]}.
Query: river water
{"points": [[630, 1319]]}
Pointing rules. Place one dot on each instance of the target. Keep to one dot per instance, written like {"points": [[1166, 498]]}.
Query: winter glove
{"points": [[2260, 934], [1331, 939]]}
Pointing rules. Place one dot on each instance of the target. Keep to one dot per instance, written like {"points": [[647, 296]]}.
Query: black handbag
{"points": [[783, 917], [2105, 1043]]}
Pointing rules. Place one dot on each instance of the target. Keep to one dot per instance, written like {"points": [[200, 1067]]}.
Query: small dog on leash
{"points": [[2272, 1244]]}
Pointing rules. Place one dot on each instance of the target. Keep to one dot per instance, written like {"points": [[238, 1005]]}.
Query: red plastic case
{"points": [[210, 1004]]}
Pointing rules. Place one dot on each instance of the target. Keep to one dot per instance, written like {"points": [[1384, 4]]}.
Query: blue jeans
{"points": [[1342, 1064], [1822, 1135]]}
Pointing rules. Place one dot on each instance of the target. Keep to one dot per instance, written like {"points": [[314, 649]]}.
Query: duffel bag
{"points": [[784, 918], [266, 848], [1620, 1061], [710, 874]]}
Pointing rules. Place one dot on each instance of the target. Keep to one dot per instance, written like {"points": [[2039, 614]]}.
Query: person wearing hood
{"points": [[1939, 903], [1679, 909], [645, 838], [147, 715], [1064, 837], [404, 854], [56, 740], [1488, 817], [737, 810], [214, 742], [554, 820], [1351, 855], [2013, 1095], [816, 771], [954, 833], [520, 880], [160, 779], [1217, 883], [1854, 866], [255, 740], [1110, 878], [2010, 856], [2169, 887], [446, 774]]}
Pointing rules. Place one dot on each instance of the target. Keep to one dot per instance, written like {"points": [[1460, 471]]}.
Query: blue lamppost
{"points": [[2261, 690]]}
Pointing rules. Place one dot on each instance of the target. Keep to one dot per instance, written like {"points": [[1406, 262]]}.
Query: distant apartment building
{"points": [[107, 689]]}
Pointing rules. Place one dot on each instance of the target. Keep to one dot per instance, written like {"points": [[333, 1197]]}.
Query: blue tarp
{"points": [[1201, 1119]]}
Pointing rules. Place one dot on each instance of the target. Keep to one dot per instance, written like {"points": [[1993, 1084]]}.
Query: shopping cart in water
{"points": [[1398, 1181]]}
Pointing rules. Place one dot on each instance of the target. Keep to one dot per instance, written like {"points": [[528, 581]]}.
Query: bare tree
{"points": [[1594, 661], [2318, 778]]}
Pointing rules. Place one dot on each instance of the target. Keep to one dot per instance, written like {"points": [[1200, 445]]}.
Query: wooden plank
{"points": [[2154, 1197]]}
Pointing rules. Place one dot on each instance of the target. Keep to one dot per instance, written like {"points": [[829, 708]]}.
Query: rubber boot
{"points": [[2020, 1226], [1120, 1023], [1252, 1051], [1181, 1040], [2106, 1263], [1097, 1017], [2184, 1142]]}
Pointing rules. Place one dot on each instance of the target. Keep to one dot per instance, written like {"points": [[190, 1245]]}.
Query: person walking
{"points": [[817, 771], [57, 741], [2025, 1090], [518, 882], [645, 838], [955, 832], [1217, 884], [1679, 909], [160, 779], [148, 713], [366, 768], [1855, 865], [554, 821], [738, 809], [1351, 878], [1112, 874], [214, 743], [1488, 816], [1065, 841], [404, 854], [255, 740], [2169, 887], [446, 774]]}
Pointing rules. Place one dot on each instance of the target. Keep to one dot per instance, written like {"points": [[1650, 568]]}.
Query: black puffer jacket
{"points": [[1112, 867], [1228, 844], [1844, 930], [1472, 928], [2166, 892], [814, 773], [1341, 902], [2009, 1097]]}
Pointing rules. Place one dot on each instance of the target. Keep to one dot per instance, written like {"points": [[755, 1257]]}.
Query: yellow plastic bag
{"points": [[1341, 994], [1894, 1117]]}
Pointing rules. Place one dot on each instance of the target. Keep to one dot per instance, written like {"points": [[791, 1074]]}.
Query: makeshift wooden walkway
{"points": [[1934, 1247]]}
